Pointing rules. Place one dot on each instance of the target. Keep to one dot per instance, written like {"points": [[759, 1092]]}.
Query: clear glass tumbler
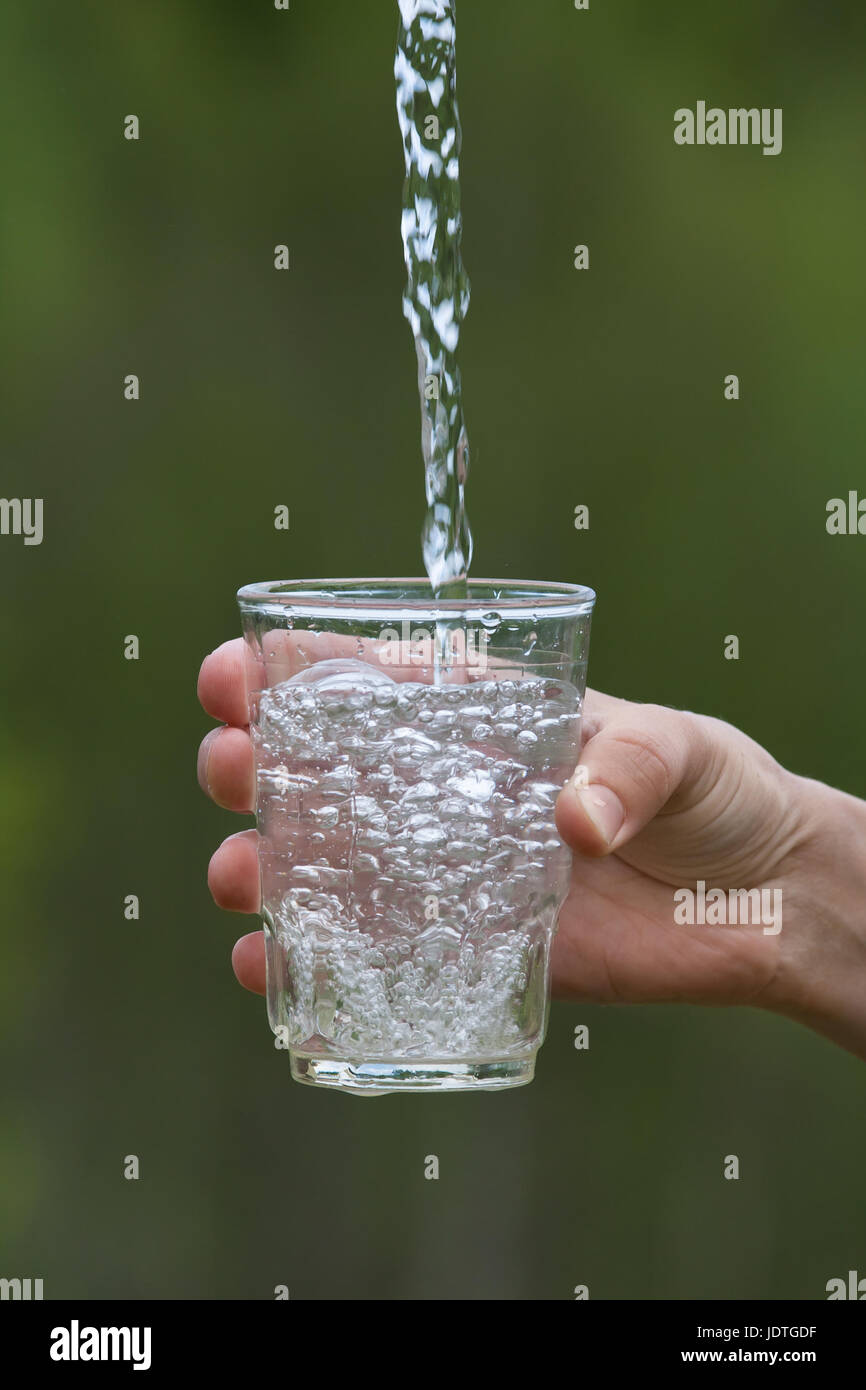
{"points": [[409, 752]]}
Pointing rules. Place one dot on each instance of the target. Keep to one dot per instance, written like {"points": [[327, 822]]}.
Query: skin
{"points": [[662, 799]]}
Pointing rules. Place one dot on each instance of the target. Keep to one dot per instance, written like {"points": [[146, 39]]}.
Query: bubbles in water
{"points": [[341, 674], [413, 871]]}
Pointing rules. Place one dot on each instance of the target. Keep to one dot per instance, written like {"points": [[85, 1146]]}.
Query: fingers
{"points": [[222, 686], [597, 710], [638, 760], [226, 769], [248, 962], [233, 874]]}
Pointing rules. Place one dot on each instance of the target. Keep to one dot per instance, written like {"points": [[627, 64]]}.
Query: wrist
{"points": [[822, 974]]}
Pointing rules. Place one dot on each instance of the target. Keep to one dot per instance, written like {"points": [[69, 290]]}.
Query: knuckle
{"points": [[651, 759]]}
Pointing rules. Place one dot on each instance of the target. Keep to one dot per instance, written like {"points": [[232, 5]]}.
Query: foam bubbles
{"points": [[411, 870]]}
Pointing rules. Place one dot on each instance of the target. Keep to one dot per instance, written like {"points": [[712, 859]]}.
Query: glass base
{"points": [[392, 1078]]}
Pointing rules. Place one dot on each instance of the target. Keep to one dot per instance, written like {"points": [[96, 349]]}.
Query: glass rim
{"points": [[507, 597]]}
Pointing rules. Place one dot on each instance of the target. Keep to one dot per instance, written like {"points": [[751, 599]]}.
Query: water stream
{"points": [[437, 290]]}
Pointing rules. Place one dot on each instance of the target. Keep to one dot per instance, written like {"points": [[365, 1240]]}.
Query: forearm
{"points": [[822, 976]]}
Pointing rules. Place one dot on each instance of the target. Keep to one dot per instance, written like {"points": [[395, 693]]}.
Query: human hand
{"points": [[663, 800]]}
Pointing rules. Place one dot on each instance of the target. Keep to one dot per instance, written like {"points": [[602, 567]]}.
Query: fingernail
{"points": [[204, 753], [604, 809]]}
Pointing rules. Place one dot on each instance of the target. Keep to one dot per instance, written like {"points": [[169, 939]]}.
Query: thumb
{"points": [[643, 758]]}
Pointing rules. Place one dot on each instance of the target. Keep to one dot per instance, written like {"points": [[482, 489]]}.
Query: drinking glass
{"points": [[409, 752]]}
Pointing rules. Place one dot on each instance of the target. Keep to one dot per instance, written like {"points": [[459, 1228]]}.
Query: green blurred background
{"points": [[257, 388]]}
